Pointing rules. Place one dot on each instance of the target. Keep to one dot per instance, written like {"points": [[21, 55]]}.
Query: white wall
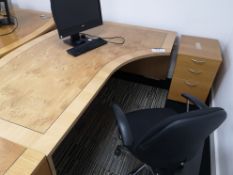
{"points": [[224, 98], [43, 5], [208, 18], [197, 17]]}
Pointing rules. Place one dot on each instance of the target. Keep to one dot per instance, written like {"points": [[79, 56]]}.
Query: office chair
{"points": [[166, 142]]}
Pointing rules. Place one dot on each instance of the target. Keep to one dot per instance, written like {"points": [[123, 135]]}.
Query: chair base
{"points": [[190, 168], [140, 168], [153, 172]]}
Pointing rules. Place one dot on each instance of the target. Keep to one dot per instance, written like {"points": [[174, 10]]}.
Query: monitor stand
{"points": [[82, 44], [76, 40], [6, 21]]}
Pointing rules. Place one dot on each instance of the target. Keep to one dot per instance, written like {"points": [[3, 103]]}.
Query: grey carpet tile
{"points": [[89, 148]]}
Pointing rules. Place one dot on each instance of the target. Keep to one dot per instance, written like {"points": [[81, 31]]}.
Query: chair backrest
{"points": [[123, 126], [180, 137]]}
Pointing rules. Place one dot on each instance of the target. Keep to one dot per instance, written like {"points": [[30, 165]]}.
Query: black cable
{"points": [[108, 38], [115, 37], [16, 26]]}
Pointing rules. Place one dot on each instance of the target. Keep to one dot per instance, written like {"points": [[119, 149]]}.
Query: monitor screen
{"points": [[74, 16]]}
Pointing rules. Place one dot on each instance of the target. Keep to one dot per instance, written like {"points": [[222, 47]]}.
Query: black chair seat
{"points": [[168, 141], [142, 120]]}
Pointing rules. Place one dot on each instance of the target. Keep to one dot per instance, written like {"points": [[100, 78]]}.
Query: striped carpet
{"points": [[89, 147]]}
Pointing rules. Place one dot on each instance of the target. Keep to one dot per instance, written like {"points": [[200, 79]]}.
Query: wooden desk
{"points": [[9, 153], [44, 91], [30, 26]]}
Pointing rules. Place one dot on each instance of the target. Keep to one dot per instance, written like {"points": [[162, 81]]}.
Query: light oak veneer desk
{"points": [[30, 26], [44, 91]]}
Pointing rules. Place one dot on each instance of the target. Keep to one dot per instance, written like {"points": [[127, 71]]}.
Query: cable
{"points": [[108, 39], [16, 26], [2, 14], [115, 37]]}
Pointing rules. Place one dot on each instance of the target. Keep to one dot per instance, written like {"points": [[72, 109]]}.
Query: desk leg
{"points": [[51, 165], [30, 162]]}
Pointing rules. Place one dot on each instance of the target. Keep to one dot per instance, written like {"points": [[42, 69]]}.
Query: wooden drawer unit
{"points": [[197, 64]]}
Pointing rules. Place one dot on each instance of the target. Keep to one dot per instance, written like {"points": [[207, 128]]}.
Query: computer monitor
{"points": [[74, 16]]}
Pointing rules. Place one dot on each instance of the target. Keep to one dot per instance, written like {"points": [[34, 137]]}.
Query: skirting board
{"points": [[214, 157]]}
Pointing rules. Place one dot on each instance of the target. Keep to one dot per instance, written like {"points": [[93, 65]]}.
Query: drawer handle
{"points": [[188, 83], [198, 61], [195, 71]]}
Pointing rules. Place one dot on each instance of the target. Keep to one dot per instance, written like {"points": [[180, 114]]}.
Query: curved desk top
{"points": [[30, 26], [44, 90]]}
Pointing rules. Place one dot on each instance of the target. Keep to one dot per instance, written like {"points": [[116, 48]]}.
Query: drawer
{"points": [[195, 88], [200, 64], [203, 70], [195, 74]]}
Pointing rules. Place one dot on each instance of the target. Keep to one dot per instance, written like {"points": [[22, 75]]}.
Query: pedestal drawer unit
{"points": [[197, 64]]}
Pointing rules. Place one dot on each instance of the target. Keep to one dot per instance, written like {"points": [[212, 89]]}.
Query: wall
{"points": [[224, 98], [204, 18], [209, 18], [43, 5]]}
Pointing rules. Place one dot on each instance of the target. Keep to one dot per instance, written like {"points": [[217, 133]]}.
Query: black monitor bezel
{"points": [[79, 28]]}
